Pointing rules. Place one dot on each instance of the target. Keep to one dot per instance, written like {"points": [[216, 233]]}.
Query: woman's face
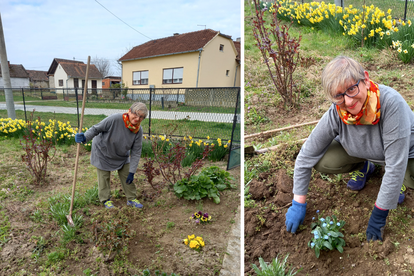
{"points": [[135, 118], [355, 104]]}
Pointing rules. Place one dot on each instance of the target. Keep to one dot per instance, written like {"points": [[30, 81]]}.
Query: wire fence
{"points": [[198, 112]]}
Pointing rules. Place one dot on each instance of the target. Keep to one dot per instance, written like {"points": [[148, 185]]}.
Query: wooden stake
{"points": [[85, 91], [279, 129]]}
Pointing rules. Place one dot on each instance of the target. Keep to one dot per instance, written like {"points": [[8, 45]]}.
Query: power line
{"points": [[122, 20]]}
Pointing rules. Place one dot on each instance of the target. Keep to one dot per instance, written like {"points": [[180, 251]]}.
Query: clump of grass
{"points": [[276, 267]]}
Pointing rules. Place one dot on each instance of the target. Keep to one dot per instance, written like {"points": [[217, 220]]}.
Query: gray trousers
{"points": [[104, 184], [336, 160]]}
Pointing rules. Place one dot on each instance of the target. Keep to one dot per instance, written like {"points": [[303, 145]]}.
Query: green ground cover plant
{"points": [[208, 183], [276, 267]]}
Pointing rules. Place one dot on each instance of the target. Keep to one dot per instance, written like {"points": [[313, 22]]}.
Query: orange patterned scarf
{"points": [[370, 112], [128, 124]]}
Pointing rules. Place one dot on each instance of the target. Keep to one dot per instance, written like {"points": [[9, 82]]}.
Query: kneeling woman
{"points": [[367, 123]]}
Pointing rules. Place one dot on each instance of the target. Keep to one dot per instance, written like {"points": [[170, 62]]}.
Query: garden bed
{"points": [[266, 235], [32, 241]]}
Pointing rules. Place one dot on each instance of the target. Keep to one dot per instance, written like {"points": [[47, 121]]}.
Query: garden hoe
{"points": [[85, 90]]}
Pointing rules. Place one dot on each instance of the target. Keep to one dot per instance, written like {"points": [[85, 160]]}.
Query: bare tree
{"points": [[103, 65], [119, 63]]}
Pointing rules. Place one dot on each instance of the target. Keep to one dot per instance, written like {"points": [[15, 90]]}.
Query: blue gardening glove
{"points": [[130, 178], [80, 137], [295, 216], [376, 224]]}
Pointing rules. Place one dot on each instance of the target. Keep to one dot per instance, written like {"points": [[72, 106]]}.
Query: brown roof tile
{"points": [[17, 71], [78, 70], [179, 43], [37, 75]]}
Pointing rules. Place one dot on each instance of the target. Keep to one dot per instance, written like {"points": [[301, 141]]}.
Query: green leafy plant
{"points": [[277, 267], [208, 183], [327, 235], [248, 202]]}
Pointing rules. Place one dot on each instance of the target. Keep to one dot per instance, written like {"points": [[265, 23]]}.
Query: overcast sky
{"points": [[37, 31]]}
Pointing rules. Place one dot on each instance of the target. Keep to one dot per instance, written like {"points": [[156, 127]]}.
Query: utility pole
{"points": [[5, 73]]}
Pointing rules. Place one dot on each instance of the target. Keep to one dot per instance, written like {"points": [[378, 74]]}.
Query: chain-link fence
{"points": [[198, 112], [401, 9]]}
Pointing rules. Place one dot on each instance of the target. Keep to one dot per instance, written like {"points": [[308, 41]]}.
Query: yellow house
{"points": [[203, 58]]}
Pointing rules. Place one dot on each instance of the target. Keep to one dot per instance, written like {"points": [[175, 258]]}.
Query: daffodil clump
{"points": [[195, 148], [200, 217], [368, 25], [56, 131], [196, 243], [12, 128]]}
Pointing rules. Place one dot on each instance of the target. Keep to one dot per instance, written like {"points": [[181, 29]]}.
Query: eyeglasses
{"points": [[351, 92], [141, 117]]}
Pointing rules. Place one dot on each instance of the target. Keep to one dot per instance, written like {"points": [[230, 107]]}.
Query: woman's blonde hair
{"points": [[138, 106], [339, 71]]}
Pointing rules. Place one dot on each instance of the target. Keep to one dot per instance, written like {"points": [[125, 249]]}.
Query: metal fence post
{"points": [[178, 94], [24, 105], [149, 117], [234, 126], [405, 10]]}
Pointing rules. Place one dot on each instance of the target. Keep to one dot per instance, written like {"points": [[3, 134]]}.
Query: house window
{"points": [[227, 73], [140, 77], [76, 83], [172, 75], [60, 82], [221, 47]]}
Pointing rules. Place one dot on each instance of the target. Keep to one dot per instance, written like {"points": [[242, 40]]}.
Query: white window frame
{"points": [[173, 75], [140, 77]]}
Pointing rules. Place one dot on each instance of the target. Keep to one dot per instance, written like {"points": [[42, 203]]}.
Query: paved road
{"points": [[170, 115]]}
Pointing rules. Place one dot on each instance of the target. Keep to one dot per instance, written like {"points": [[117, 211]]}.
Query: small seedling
{"points": [[327, 235]]}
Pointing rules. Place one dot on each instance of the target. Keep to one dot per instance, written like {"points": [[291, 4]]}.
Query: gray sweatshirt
{"points": [[113, 144], [389, 143]]}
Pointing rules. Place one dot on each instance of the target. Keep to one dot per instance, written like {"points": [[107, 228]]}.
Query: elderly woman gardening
{"points": [[116, 146], [367, 123]]}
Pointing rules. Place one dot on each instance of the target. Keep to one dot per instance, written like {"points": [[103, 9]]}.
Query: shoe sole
{"points": [[140, 207]]}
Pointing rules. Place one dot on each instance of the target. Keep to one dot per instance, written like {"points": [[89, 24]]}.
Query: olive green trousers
{"points": [[104, 184], [336, 160]]}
